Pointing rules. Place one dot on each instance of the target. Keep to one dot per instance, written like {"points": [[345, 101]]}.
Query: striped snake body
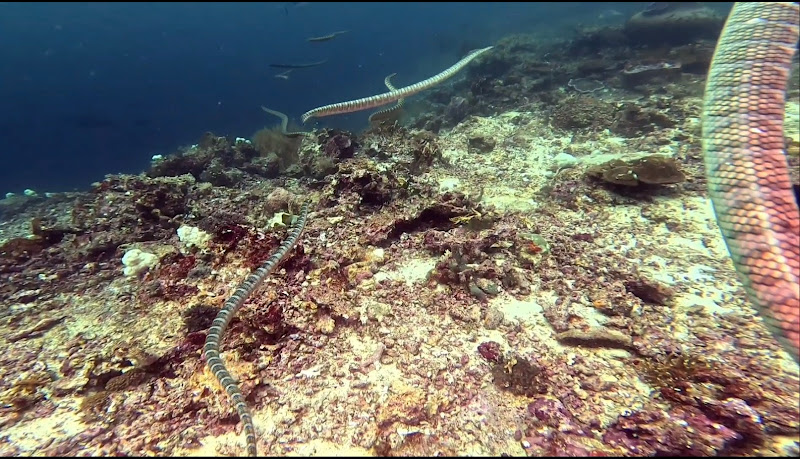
{"points": [[382, 115], [367, 103], [746, 167], [285, 124], [220, 324]]}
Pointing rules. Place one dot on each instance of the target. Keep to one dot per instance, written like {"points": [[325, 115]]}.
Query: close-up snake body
{"points": [[746, 165]]}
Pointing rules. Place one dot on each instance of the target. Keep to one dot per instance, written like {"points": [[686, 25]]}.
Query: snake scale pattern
{"points": [[746, 166]]}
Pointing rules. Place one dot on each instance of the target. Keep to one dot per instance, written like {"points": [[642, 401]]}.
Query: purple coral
{"points": [[340, 146], [490, 350], [683, 431], [549, 410]]}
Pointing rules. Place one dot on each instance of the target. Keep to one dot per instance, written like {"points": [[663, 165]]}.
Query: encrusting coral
{"points": [[467, 283]]}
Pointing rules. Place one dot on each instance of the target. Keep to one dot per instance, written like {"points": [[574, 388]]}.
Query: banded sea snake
{"points": [[384, 113], [375, 117], [746, 167], [285, 124], [382, 99], [220, 324]]}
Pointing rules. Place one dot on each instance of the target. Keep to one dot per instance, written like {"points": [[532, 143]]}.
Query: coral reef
{"points": [[649, 170], [531, 267], [273, 147], [674, 23]]}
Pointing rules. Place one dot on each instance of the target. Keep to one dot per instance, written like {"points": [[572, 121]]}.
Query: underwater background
{"points": [[95, 88], [384, 229]]}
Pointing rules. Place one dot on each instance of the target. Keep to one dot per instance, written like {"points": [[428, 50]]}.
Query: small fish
{"points": [[284, 75], [298, 66], [326, 37]]}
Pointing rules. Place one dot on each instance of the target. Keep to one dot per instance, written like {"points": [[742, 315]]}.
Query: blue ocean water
{"points": [[88, 89]]}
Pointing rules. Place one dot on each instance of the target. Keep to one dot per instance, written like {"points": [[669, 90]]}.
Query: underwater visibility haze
{"points": [[94, 88], [408, 229]]}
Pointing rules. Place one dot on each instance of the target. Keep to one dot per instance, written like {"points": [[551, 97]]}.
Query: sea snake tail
{"points": [[244, 290], [285, 123], [382, 99], [386, 111], [745, 163]]}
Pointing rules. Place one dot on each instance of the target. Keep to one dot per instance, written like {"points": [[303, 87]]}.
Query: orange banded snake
{"points": [[746, 167]]}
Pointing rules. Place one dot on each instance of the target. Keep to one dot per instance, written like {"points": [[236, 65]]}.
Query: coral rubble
{"points": [[529, 267]]}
